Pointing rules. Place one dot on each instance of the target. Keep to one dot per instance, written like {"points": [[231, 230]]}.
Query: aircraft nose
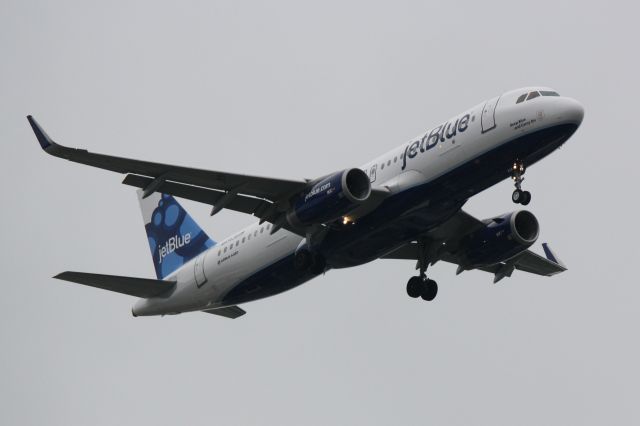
{"points": [[573, 110]]}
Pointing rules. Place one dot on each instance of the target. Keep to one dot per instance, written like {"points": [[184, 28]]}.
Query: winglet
{"points": [[551, 255], [45, 141]]}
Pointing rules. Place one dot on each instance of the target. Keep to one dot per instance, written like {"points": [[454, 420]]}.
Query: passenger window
{"points": [[262, 229], [395, 159], [389, 163], [237, 243], [225, 249], [248, 237], [521, 98], [219, 251], [268, 226], [549, 93], [242, 240], [382, 166], [255, 234], [533, 95]]}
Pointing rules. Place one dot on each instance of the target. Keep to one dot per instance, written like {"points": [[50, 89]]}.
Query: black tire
{"points": [[429, 290], [517, 196], [302, 260], [414, 287], [526, 199]]}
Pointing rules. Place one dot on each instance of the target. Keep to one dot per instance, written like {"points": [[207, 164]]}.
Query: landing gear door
{"points": [[488, 119], [199, 270]]}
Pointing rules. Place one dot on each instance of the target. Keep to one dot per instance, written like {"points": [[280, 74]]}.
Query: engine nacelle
{"points": [[501, 239], [330, 198]]}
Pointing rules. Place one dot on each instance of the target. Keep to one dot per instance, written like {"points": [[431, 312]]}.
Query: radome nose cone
{"points": [[575, 111]]}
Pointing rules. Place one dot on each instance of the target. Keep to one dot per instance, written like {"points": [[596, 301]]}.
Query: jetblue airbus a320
{"points": [[405, 204]]}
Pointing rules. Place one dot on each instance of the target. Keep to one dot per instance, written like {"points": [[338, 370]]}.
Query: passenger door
{"points": [[198, 266], [488, 119]]}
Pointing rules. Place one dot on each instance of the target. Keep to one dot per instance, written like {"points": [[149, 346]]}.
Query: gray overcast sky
{"points": [[296, 90]]}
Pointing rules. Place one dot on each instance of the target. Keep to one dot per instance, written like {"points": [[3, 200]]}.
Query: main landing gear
{"points": [[517, 174], [421, 286]]}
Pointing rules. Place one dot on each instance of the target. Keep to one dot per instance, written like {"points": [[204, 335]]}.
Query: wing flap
{"points": [[139, 287], [239, 203]]}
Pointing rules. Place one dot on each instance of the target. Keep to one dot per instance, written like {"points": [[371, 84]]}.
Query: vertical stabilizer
{"points": [[174, 237]]}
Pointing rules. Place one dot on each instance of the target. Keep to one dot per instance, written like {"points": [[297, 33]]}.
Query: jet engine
{"points": [[330, 198], [500, 239]]}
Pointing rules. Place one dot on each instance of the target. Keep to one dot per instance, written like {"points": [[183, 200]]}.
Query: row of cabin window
{"points": [[532, 95], [395, 160], [246, 238]]}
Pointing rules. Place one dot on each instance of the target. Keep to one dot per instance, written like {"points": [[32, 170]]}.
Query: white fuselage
{"points": [[203, 282]]}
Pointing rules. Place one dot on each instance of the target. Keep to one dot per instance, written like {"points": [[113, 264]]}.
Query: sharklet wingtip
{"points": [[43, 138]]}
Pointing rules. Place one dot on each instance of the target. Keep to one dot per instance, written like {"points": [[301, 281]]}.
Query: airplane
{"points": [[405, 204]]}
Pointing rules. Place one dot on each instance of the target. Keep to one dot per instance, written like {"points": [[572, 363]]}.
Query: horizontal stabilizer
{"points": [[140, 287], [232, 312]]}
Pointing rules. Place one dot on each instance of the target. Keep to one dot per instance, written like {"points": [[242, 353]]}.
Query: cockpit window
{"points": [[533, 95]]}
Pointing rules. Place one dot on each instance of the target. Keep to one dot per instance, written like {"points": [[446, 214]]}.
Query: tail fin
{"points": [[174, 237]]}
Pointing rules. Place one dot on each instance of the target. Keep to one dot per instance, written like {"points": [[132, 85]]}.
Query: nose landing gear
{"points": [[517, 174], [421, 286]]}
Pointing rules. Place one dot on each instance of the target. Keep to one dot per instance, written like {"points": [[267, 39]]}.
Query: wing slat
{"points": [[239, 203]]}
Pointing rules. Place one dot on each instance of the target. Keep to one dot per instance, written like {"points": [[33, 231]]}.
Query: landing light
{"points": [[346, 220]]}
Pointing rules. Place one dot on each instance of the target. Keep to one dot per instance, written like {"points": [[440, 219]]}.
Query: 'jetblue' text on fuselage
{"points": [[441, 133]]}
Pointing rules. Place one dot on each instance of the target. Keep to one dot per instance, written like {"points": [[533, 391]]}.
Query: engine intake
{"points": [[501, 239], [330, 198]]}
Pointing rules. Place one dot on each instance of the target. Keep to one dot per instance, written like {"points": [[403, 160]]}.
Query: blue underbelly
{"points": [[404, 216]]}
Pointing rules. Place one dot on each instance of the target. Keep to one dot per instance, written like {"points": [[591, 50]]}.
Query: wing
{"points": [[238, 192], [527, 261], [452, 231]]}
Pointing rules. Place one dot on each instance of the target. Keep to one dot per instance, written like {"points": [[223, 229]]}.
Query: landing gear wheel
{"points": [[414, 287], [429, 290], [517, 196], [421, 286], [521, 197], [517, 174]]}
